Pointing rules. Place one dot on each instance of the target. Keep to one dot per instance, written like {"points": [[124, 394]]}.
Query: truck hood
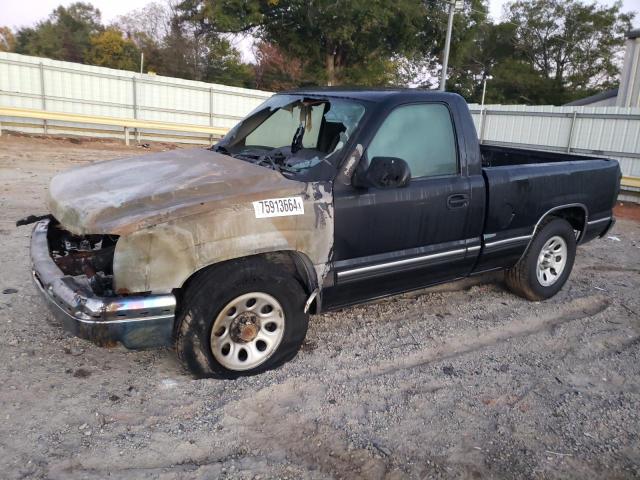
{"points": [[125, 195]]}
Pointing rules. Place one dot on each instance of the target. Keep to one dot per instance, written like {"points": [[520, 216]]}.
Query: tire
{"points": [[536, 276], [234, 297]]}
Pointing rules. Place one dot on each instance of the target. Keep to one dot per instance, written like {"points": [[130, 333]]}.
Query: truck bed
{"points": [[524, 185], [496, 156]]}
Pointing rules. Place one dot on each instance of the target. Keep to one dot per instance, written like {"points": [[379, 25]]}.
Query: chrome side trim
{"points": [[474, 248], [608, 228], [310, 300], [508, 240], [399, 263], [600, 220]]}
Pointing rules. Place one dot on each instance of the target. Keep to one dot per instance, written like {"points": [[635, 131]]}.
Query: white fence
{"points": [[39, 83], [612, 132]]}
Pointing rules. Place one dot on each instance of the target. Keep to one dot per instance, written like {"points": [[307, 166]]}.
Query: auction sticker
{"points": [[279, 207]]}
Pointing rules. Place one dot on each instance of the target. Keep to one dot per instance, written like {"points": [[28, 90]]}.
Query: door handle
{"points": [[458, 200]]}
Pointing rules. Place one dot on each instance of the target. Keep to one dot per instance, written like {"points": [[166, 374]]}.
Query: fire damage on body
{"points": [[316, 200], [88, 258], [124, 230], [198, 210]]}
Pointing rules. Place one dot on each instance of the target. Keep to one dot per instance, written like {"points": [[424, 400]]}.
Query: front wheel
{"points": [[240, 318], [547, 263]]}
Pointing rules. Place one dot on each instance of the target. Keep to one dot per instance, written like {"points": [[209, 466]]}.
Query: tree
{"points": [[174, 47], [179, 53], [65, 35], [339, 40], [274, 70], [470, 57], [517, 82], [223, 64], [148, 28], [7, 40], [573, 44], [110, 49], [153, 20]]}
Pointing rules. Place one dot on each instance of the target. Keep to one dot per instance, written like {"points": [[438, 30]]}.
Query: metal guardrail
{"points": [[633, 182], [127, 124], [50, 85]]}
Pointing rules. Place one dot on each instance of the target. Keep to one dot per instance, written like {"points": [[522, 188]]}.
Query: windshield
{"points": [[291, 133]]}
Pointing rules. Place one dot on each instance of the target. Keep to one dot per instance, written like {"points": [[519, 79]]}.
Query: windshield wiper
{"points": [[277, 162], [221, 149]]}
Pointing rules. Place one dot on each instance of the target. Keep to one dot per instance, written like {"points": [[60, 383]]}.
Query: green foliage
{"points": [[224, 65], [545, 52], [340, 41], [571, 43], [65, 35], [192, 54], [109, 49]]}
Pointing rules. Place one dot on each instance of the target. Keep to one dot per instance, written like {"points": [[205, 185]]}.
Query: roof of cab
{"points": [[372, 95]]}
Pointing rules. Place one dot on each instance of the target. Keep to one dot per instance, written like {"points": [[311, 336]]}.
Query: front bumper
{"points": [[141, 321]]}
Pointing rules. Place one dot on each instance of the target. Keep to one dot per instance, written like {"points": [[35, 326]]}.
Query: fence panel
{"points": [[52, 85], [612, 132]]}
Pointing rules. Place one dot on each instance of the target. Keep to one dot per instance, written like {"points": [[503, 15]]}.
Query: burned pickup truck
{"points": [[317, 200]]}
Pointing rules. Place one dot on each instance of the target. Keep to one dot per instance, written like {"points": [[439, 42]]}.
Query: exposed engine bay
{"points": [[89, 258]]}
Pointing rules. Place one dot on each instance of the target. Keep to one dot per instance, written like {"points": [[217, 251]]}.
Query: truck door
{"points": [[397, 239]]}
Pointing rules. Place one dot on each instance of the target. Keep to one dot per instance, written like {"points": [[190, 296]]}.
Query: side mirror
{"points": [[384, 172]]}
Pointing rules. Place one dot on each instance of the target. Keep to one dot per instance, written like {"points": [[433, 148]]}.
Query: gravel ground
{"points": [[464, 381]]}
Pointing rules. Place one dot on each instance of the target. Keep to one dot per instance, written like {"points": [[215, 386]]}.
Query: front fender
{"points": [[155, 259], [161, 258]]}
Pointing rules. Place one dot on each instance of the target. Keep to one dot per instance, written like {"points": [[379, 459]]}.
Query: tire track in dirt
{"points": [[576, 309], [265, 420], [273, 425]]}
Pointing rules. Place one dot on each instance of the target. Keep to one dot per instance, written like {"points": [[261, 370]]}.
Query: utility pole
{"points": [[484, 90], [447, 47], [453, 6], [141, 61], [483, 113]]}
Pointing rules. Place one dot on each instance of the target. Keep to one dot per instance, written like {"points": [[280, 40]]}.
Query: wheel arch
{"points": [[577, 214], [295, 262]]}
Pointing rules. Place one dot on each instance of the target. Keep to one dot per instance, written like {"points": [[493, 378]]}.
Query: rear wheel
{"points": [[240, 318], [547, 263]]}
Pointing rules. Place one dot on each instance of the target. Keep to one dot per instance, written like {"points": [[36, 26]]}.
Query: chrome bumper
{"points": [[135, 321]]}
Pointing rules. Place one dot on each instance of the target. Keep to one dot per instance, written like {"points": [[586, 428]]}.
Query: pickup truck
{"points": [[318, 199]]}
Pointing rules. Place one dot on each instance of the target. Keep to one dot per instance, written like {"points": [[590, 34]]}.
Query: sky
{"points": [[16, 13]]}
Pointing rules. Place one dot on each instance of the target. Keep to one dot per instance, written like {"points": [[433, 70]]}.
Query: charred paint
{"points": [[180, 211]]}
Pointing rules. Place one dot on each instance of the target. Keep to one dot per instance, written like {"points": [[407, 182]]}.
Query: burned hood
{"points": [[125, 195]]}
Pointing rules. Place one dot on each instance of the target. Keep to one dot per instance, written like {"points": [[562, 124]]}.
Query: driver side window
{"points": [[422, 135]]}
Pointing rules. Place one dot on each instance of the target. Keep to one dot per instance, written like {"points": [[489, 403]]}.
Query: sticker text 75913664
{"points": [[278, 207]]}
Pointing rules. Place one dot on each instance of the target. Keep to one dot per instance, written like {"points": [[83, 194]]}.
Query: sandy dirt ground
{"points": [[463, 381]]}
